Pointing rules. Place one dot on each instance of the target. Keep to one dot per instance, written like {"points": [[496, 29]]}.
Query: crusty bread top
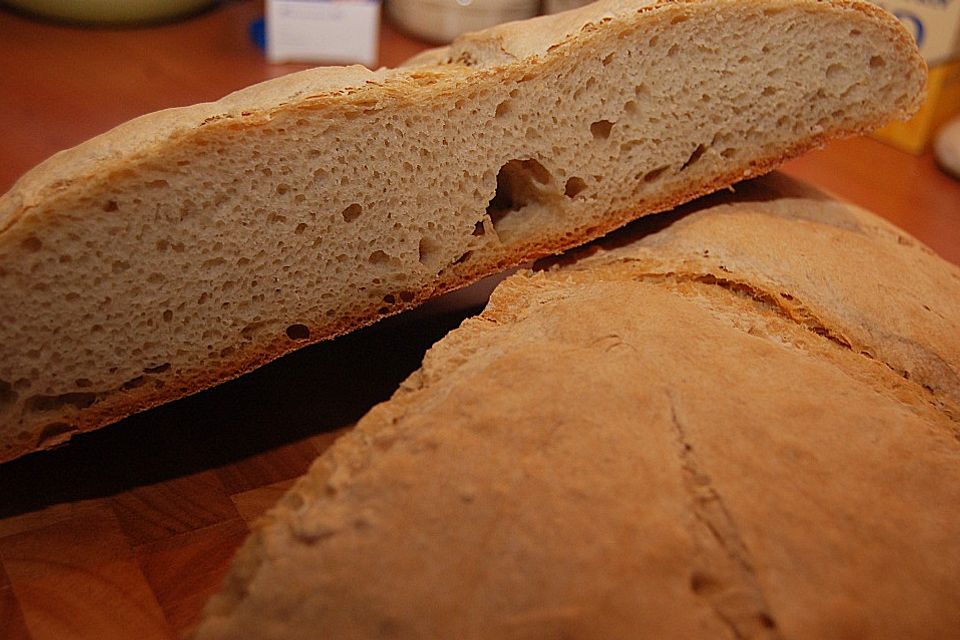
{"points": [[140, 138], [738, 421], [137, 139]]}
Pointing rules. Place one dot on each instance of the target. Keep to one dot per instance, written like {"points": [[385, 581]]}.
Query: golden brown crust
{"points": [[685, 432]]}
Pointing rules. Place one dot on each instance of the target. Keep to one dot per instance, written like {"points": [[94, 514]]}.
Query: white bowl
{"points": [[441, 21]]}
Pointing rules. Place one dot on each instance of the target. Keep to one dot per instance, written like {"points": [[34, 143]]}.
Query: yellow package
{"points": [[935, 25]]}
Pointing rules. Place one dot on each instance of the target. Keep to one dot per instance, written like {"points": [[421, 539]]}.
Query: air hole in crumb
{"points": [[406, 296], [653, 174], [167, 315], [517, 187], [768, 91], [352, 212], [83, 383], [133, 383], [379, 257], [300, 228], [249, 331], [679, 19], [503, 109], [157, 184], [478, 229], [32, 243], [696, 155], [110, 205], [427, 249], [54, 433], [463, 258], [608, 59], [672, 51], [160, 368], [855, 32], [8, 397], [601, 129], [574, 186], [78, 400], [298, 332], [876, 62], [834, 69], [389, 298]]}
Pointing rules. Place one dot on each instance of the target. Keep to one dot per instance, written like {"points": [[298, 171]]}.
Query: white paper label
{"points": [[934, 24], [339, 31]]}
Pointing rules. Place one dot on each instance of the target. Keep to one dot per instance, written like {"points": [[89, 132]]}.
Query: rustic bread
{"points": [[739, 421], [191, 245]]}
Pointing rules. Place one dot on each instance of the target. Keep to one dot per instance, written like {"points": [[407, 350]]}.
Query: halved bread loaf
{"points": [[191, 245], [739, 421]]}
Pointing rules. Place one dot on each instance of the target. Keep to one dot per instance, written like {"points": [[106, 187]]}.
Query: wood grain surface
{"points": [[127, 531]]}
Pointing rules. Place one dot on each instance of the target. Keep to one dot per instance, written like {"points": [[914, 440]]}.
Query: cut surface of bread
{"points": [[739, 421], [191, 245]]}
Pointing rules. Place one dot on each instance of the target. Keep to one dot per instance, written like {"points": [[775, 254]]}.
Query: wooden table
{"points": [[126, 532]]}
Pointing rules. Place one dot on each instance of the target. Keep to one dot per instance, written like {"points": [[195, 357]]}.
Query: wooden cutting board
{"points": [[126, 532]]}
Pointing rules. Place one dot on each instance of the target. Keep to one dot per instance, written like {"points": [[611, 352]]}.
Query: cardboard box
{"points": [[935, 25], [327, 31]]}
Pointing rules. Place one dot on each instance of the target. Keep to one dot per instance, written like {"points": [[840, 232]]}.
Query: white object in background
{"points": [[323, 30], [946, 148], [556, 6], [934, 24], [441, 21]]}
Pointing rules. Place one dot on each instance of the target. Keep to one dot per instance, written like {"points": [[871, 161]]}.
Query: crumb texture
{"points": [[192, 245], [708, 425]]}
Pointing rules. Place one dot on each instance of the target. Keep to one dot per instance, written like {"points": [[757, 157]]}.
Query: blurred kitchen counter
{"points": [[61, 85]]}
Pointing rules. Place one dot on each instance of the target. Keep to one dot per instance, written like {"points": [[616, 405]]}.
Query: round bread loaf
{"points": [[189, 246], [739, 420]]}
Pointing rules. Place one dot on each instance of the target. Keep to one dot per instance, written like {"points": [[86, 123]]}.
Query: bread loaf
{"points": [[191, 245], [739, 421]]}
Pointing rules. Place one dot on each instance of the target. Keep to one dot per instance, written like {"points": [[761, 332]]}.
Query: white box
{"points": [[934, 24], [340, 31]]}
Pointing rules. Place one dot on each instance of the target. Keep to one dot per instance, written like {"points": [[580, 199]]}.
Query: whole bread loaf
{"points": [[737, 421], [191, 245]]}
